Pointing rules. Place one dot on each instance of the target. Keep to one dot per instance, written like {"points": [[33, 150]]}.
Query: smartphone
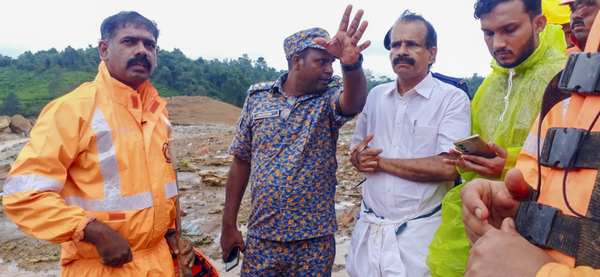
{"points": [[474, 145], [233, 259]]}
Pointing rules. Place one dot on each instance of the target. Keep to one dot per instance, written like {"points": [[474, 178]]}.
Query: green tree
{"points": [[473, 83], [10, 104], [54, 88]]}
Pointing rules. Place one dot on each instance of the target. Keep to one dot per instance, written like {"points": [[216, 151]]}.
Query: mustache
{"points": [[139, 59], [405, 59], [503, 51], [577, 21]]}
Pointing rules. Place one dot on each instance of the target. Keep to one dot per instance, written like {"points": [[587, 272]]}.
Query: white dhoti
{"points": [[382, 247]]}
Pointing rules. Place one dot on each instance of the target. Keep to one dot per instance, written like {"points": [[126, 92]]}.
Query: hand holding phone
{"points": [[474, 145], [233, 259]]}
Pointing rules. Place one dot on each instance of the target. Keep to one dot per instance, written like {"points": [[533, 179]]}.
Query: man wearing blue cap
{"points": [[286, 145]]}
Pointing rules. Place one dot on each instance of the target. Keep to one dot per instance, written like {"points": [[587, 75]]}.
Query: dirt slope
{"points": [[184, 110]]}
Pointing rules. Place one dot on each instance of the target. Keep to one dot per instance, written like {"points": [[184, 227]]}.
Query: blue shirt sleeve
{"points": [[241, 146]]}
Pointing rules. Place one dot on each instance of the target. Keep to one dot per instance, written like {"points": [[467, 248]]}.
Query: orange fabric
{"points": [[153, 261], [593, 40], [554, 269], [74, 169], [580, 113], [572, 50]]}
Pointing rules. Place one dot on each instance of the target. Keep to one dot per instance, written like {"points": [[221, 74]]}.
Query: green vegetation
{"points": [[38, 78], [473, 83], [31, 81]]}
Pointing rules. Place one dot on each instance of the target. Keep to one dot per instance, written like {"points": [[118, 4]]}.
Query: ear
{"points": [[297, 62], [432, 54], [103, 50], [539, 23]]}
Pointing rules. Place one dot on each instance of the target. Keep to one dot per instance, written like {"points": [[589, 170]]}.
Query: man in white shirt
{"points": [[401, 138]]}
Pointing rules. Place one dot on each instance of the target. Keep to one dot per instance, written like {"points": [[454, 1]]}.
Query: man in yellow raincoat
{"points": [[527, 54], [96, 176], [565, 243]]}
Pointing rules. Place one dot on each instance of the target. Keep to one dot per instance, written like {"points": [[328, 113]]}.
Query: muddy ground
{"points": [[203, 130]]}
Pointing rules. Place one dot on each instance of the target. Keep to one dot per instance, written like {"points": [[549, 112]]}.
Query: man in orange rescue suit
{"points": [[96, 176], [552, 230]]}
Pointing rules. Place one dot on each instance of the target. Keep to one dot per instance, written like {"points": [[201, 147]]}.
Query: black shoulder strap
{"points": [[457, 82], [552, 96]]}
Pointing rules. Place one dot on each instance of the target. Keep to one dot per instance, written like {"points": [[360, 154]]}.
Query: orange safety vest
{"points": [[99, 151], [579, 113]]}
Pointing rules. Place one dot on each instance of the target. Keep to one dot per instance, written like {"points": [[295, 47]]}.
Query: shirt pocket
{"points": [[424, 142]]}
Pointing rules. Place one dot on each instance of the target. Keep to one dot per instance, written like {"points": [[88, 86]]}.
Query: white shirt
{"points": [[423, 123]]}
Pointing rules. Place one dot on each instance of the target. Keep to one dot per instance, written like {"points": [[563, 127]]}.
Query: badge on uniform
{"points": [[265, 114]]}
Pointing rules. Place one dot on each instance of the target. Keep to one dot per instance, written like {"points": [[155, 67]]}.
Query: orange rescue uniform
{"points": [[99, 152], [577, 112]]}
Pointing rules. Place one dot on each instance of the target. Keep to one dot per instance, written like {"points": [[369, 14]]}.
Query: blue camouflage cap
{"points": [[302, 40]]}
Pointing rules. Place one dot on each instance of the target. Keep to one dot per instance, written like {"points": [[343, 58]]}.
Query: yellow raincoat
{"points": [[99, 151], [556, 13], [503, 111]]}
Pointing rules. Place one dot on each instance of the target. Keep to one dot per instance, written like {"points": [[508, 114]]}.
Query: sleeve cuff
{"points": [[78, 234], [337, 112]]}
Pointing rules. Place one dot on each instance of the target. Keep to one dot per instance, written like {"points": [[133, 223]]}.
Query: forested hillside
{"points": [[30, 81]]}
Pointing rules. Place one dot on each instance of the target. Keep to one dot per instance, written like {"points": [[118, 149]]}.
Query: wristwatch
{"points": [[355, 66]]}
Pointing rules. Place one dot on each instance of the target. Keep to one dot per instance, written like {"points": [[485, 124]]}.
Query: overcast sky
{"points": [[230, 28]]}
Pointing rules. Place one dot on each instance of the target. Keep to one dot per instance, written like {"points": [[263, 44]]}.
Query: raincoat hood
{"points": [[552, 39], [507, 103]]}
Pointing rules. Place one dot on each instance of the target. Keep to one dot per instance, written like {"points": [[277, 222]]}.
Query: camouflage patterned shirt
{"points": [[291, 146]]}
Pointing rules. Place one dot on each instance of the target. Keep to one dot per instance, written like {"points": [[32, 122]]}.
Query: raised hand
{"points": [[344, 45]]}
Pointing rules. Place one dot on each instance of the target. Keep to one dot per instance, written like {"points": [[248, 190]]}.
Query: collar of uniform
{"points": [[277, 89], [423, 88], [123, 93], [277, 85]]}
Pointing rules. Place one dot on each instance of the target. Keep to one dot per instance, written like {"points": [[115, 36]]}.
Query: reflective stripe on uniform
{"points": [[135, 202], [171, 189], [530, 144], [169, 127], [23, 183], [112, 201], [107, 157]]}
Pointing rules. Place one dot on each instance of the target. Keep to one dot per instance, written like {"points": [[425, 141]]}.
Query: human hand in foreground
{"points": [[505, 253], [488, 167], [364, 158], [112, 247], [230, 237], [344, 45], [487, 203], [186, 243]]}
